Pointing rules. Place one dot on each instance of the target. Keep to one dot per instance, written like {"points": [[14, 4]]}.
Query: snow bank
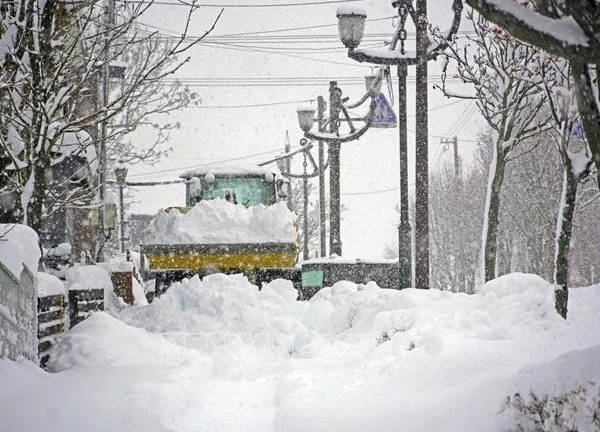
{"points": [[19, 247], [102, 340], [218, 354], [504, 308], [49, 285], [219, 221], [227, 317]]}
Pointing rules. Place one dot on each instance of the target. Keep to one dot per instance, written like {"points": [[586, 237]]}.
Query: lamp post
{"points": [[337, 106], [121, 175], [351, 28], [284, 163]]}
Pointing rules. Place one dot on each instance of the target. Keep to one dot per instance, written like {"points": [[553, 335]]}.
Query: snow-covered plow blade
{"points": [[233, 223], [226, 258]]}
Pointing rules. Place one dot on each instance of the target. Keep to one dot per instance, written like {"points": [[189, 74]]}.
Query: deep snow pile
{"points": [[219, 221], [220, 355]]}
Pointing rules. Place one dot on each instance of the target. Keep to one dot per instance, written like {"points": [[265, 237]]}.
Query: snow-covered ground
{"points": [[219, 355]]}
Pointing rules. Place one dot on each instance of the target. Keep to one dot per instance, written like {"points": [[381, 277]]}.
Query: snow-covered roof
{"points": [[227, 170]]}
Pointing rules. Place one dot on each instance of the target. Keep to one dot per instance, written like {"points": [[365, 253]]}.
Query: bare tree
{"points": [[508, 97], [455, 226], [313, 214], [576, 161], [569, 29], [53, 55]]}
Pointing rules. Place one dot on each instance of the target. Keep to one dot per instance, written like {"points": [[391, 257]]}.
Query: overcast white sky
{"points": [[211, 132]]}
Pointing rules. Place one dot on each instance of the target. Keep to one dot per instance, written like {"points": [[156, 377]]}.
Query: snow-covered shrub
{"points": [[576, 410]]}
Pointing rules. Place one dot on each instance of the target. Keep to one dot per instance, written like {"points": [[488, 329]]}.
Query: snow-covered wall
{"points": [[19, 254]]}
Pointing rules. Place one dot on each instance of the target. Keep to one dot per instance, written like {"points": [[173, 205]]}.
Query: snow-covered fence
{"points": [[51, 322], [18, 318], [51, 314], [19, 257], [83, 302], [88, 287]]}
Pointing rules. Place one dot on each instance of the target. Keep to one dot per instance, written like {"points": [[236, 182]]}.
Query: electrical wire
{"points": [[257, 105], [263, 32], [463, 119], [373, 192], [194, 4], [211, 163], [276, 81]]}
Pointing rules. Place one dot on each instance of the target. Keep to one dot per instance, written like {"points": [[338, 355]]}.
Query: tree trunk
{"points": [[35, 208], [489, 236], [564, 226]]}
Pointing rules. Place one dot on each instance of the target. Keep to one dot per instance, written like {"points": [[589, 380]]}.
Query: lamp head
{"points": [[351, 25], [306, 118], [121, 173], [373, 84]]}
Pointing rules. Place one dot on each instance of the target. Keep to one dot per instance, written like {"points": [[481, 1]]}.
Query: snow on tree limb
{"points": [[571, 32]]}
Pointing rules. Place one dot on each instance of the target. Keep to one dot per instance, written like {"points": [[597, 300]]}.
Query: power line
{"points": [[257, 105], [373, 192], [209, 163], [276, 81], [259, 50], [263, 32], [234, 5]]}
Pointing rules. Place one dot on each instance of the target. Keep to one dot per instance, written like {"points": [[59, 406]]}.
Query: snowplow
{"points": [[235, 221]]}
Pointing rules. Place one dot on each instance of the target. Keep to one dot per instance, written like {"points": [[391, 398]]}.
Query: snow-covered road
{"points": [[219, 355]]}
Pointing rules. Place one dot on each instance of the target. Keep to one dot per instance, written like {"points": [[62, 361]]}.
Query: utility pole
{"points": [[421, 151], [404, 235], [105, 94], [109, 21], [305, 254], [288, 170], [351, 30], [321, 106], [335, 240], [457, 168]]}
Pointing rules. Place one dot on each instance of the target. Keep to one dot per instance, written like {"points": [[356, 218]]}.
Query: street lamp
{"points": [[351, 25], [306, 117], [337, 106], [351, 29], [121, 175]]}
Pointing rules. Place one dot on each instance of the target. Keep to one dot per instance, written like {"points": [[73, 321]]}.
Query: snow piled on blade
{"points": [[219, 221]]}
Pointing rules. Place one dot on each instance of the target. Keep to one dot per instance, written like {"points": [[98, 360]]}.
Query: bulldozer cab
{"points": [[247, 186]]}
